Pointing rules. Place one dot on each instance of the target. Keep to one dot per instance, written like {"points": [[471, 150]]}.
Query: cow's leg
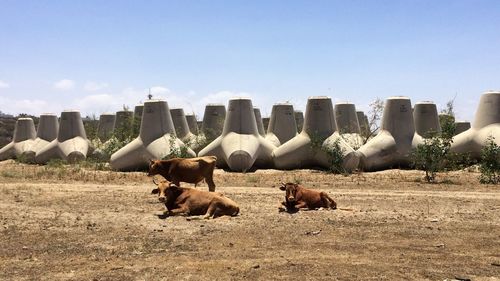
{"points": [[209, 178], [212, 208], [178, 211], [300, 204], [329, 202], [176, 182], [210, 181]]}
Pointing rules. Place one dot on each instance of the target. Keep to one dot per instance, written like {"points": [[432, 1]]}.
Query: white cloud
{"points": [[221, 97], [191, 102], [96, 104], [29, 106], [92, 86], [4, 85], [64, 85]]}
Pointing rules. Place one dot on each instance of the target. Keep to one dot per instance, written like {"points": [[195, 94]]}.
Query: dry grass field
{"points": [[76, 223]]}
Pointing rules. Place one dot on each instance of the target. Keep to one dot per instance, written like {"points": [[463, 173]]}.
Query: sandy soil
{"points": [[79, 224]]}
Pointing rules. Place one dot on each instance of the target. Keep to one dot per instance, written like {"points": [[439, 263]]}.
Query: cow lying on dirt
{"points": [[190, 170], [193, 202], [298, 197]]}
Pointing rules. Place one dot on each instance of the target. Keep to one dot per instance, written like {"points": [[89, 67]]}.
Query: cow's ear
{"points": [[282, 186], [151, 162], [155, 191]]}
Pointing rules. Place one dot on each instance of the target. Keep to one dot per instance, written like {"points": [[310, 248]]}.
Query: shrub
{"points": [[431, 155], [448, 127], [333, 150], [336, 157], [489, 166], [114, 144], [176, 151]]}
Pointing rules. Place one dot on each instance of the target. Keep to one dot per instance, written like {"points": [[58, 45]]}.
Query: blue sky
{"points": [[96, 56]]}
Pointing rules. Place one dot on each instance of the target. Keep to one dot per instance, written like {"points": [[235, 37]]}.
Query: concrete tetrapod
{"points": [[282, 126], [258, 119], [461, 126], [106, 126], [192, 123], [48, 128], [136, 123], [347, 123], [311, 147], [364, 125], [156, 139], [183, 131], [181, 125], [240, 146], [71, 143], [213, 120], [105, 131], [486, 124], [24, 135], [265, 123], [299, 120], [123, 121], [392, 146], [426, 118]]}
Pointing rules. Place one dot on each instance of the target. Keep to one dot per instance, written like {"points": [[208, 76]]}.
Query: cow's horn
{"points": [[154, 181]]}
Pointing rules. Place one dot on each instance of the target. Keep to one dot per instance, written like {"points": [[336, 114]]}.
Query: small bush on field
{"points": [[176, 151], [22, 159], [114, 144], [489, 166], [431, 155], [56, 163], [94, 164], [334, 152], [447, 124], [458, 161], [336, 156]]}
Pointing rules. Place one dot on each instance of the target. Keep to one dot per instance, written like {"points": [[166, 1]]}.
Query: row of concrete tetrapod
{"points": [[240, 144], [65, 140], [241, 147]]}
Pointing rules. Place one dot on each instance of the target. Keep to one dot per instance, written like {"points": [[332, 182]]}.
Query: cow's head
{"points": [[155, 167], [291, 191], [163, 189]]}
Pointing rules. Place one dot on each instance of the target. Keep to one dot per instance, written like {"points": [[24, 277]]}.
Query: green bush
{"points": [[431, 155], [489, 166], [176, 151], [336, 156], [334, 152]]}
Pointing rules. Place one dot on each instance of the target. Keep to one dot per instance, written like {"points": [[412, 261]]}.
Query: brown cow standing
{"points": [[190, 170], [298, 197], [193, 202]]}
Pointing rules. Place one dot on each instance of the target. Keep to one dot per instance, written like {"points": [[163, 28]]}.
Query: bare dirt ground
{"points": [[72, 223]]}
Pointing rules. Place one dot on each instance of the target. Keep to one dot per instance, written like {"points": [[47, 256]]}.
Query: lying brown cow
{"points": [[298, 197], [193, 202], [190, 170]]}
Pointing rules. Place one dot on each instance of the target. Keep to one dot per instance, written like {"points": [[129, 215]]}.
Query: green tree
{"points": [[489, 166], [431, 155]]}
